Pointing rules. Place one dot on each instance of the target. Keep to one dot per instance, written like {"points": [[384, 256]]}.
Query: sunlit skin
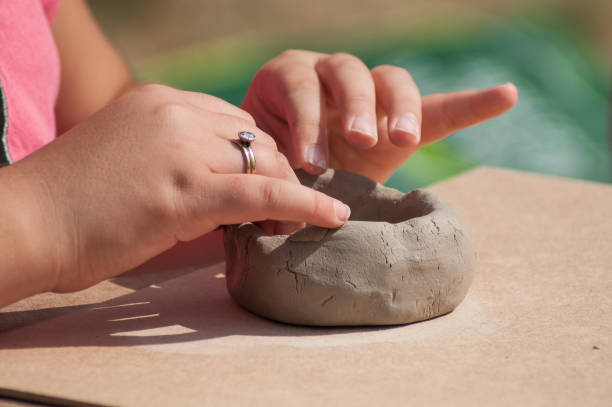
{"points": [[306, 98], [137, 169]]}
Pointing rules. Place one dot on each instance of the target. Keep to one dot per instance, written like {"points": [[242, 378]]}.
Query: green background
{"points": [[560, 125]]}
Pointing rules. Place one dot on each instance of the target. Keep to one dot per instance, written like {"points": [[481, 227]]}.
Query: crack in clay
{"points": [[436, 225], [246, 256], [385, 249], [299, 283], [433, 306], [327, 300], [349, 282]]}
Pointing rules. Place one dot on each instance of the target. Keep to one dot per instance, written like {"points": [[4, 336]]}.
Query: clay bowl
{"points": [[400, 258]]}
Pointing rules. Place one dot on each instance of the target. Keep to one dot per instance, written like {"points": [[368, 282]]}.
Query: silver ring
{"points": [[245, 138]]}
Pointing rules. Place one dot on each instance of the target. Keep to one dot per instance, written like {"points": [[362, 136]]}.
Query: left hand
{"points": [[332, 111]]}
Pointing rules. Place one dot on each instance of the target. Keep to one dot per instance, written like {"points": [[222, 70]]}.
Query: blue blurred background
{"points": [[556, 52]]}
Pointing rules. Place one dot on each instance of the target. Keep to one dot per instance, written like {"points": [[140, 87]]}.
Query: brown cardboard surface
{"points": [[534, 329]]}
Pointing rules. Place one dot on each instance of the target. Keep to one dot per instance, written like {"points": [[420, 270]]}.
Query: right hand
{"points": [[155, 167]]}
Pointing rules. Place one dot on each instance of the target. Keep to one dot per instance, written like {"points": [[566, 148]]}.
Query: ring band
{"points": [[244, 141]]}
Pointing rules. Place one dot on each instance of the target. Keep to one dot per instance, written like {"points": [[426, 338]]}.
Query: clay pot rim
{"points": [[433, 205]]}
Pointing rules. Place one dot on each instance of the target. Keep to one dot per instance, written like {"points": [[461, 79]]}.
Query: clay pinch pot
{"points": [[400, 258]]}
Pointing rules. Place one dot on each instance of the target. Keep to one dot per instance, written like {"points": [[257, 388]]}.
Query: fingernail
{"points": [[409, 124], [342, 211], [315, 156], [364, 124]]}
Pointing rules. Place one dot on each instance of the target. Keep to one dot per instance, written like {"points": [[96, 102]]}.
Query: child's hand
{"points": [[155, 167], [332, 111]]}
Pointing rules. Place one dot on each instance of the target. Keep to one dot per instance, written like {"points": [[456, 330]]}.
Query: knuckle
{"points": [[271, 194], [228, 107], [262, 80], [396, 80], [266, 72], [235, 189], [301, 84], [181, 205], [170, 112], [153, 89], [235, 192], [210, 102], [282, 162], [242, 118], [394, 70], [168, 206], [248, 117], [319, 204], [472, 109], [305, 128], [217, 103], [359, 98], [304, 123], [343, 59], [449, 118], [291, 53], [265, 140]]}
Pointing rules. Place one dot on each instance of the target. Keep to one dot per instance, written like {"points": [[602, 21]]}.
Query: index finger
{"points": [[294, 92], [251, 198]]}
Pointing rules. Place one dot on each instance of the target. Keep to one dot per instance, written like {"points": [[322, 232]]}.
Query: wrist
{"points": [[29, 263]]}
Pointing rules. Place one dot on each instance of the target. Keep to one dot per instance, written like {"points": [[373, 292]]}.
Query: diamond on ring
{"points": [[246, 137]]}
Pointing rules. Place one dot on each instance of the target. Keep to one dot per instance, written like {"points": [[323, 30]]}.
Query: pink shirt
{"points": [[29, 77]]}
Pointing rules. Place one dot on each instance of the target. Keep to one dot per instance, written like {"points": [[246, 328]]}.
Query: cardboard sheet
{"points": [[535, 328]]}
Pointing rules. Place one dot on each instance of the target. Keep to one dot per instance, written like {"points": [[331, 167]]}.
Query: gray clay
{"points": [[401, 258]]}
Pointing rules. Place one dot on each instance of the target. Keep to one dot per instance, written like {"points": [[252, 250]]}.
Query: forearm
{"points": [[93, 73], [28, 265]]}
